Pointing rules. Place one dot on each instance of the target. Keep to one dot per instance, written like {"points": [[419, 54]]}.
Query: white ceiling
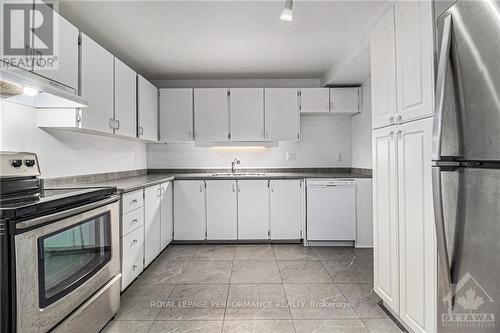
{"points": [[223, 39]]}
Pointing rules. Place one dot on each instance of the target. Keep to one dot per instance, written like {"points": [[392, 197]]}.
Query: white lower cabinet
{"points": [[222, 214], [385, 220], [132, 255], [417, 245], [166, 214], [286, 209], [253, 209], [189, 210], [152, 223], [404, 236]]}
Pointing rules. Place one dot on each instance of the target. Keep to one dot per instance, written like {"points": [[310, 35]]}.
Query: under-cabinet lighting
{"points": [[28, 91]]}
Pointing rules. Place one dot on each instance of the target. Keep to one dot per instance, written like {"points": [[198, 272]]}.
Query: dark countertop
{"points": [[129, 184]]}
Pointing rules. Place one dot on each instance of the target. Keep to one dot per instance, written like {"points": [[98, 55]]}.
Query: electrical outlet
{"points": [[290, 156], [339, 157]]}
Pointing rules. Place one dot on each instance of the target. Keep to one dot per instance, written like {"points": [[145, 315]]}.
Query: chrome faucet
{"points": [[233, 165]]}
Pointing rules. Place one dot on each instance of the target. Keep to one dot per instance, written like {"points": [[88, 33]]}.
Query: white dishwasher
{"points": [[331, 210]]}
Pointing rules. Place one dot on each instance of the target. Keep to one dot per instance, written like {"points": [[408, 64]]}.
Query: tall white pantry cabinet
{"points": [[405, 256]]}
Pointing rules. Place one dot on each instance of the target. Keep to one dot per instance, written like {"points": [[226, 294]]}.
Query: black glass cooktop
{"points": [[51, 200]]}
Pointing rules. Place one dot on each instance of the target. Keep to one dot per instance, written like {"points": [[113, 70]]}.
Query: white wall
{"points": [[63, 153], [322, 137], [362, 131]]}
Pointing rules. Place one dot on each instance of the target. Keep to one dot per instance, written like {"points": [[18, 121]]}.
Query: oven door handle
{"points": [[64, 214]]}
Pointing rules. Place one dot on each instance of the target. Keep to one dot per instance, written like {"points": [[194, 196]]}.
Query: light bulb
{"points": [[30, 91], [286, 14]]}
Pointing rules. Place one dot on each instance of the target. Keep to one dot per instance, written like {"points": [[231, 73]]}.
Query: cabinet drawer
{"points": [[132, 256], [132, 200], [132, 220]]}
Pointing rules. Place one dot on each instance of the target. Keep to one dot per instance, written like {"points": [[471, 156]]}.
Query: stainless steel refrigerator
{"points": [[466, 167]]}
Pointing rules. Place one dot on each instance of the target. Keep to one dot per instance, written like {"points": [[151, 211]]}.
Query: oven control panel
{"points": [[18, 164]]}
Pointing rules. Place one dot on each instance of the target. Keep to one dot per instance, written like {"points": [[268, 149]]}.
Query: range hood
{"points": [[23, 87]]}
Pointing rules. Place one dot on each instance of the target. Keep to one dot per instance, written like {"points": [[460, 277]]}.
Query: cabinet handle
{"points": [[112, 123], [399, 134], [233, 188], [133, 202], [391, 134], [141, 130], [398, 117], [135, 241], [390, 119], [134, 267], [134, 221], [117, 124]]}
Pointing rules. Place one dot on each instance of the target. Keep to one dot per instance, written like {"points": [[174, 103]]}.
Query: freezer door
{"points": [[468, 82], [471, 211]]}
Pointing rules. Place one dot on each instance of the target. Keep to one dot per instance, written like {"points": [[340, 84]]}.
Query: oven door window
{"points": [[70, 256]]}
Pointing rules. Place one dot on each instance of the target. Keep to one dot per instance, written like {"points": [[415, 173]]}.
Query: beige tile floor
{"points": [[254, 288]]}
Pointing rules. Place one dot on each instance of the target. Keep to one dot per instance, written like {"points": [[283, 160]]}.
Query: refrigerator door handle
{"points": [[444, 59], [442, 245]]}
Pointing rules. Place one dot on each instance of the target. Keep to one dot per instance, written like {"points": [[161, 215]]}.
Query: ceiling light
{"points": [[286, 14], [30, 91]]}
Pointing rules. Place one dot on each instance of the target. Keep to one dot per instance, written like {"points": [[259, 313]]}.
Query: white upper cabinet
{"points": [[125, 100], [282, 118], [385, 219], [222, 215], [253, 209], [344, 100], [286, 209], [96, 86], [417, 245], [147, 110], [65, 48], [315, 100], [383, 70], [247, 114], [414, 58], [189, 210], [176, 115], [211, 115]]}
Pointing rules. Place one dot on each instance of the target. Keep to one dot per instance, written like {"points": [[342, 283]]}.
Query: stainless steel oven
{"points": [[62, 259]]}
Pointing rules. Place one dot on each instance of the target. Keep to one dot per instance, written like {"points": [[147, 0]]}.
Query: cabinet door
{"points": [[152, 222], [189, 210], [383, 70], [96, 86], [125, 100], [176, 115], [414, 58], [253, 209], [65, 48], [344, 100], [417, 247], [314, 100], [222, 216], [385, 220], [282, 114], [286, 209], [132, 256], [211, 117], [147, 109], [247, 114], [167, 214]]}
